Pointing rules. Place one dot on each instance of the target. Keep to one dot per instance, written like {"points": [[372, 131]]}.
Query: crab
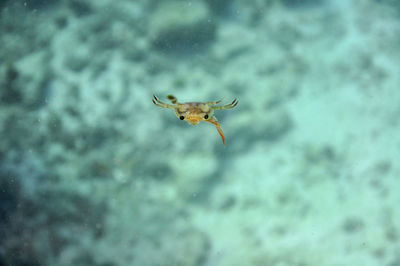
{"points": [[196, 112]]}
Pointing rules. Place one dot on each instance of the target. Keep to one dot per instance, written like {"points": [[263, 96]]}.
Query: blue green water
{"points": [[93, 173]]}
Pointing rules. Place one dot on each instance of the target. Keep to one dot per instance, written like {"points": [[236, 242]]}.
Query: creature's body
{"points": [[195, 112]]}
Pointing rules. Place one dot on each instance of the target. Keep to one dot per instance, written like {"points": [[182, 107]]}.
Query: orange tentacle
{"points": [[217, 125], [221, 133]]}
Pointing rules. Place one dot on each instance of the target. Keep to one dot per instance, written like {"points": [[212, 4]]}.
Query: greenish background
{"points": [[92, 173]]}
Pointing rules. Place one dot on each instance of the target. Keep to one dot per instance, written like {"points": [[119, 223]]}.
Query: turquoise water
{"points": [[93, 173]]}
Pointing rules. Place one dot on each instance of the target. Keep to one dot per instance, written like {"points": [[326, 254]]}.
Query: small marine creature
{"points": [[195, 112]]}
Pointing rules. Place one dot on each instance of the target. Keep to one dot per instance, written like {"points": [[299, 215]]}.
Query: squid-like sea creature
{"points": [[195, 112]]}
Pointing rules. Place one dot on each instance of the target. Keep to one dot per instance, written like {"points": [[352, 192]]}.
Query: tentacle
{"points": [[159, 103], [213, 103], [228, 106], [214, 121], [172, 98]]}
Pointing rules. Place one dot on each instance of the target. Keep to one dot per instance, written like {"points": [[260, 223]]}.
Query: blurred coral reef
{"points": [[92, 174]]}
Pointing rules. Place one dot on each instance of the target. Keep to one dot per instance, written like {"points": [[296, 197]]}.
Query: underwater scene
{"points": [[200, 132]]}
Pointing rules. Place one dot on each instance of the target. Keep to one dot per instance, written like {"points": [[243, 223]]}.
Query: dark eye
{"points": [[181, 117], [206, 117]]}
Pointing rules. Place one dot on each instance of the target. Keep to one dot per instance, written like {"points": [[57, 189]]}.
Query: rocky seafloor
{"points": [[92, 173]]}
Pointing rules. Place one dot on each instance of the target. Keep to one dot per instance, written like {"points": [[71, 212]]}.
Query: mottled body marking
{"points": [[196, 112]]}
